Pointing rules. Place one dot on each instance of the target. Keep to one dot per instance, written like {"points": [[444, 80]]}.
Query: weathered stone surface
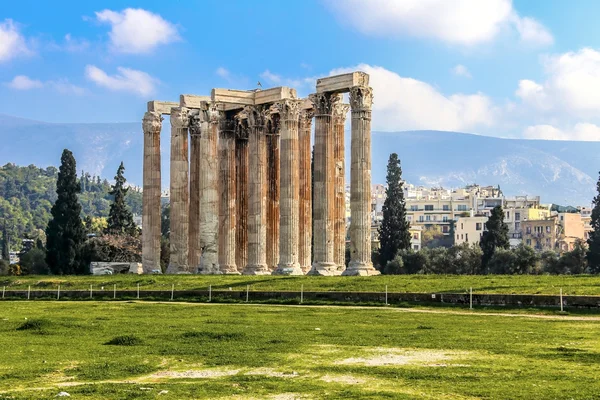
{"points": [[227, 198], [209, 194], [342, 83], [151, 126], [289, 111], [305, 178], [257, 182], [193, 101], [178, 237], [324, 180], [339, 113], [273, 95], [110, 268], [161, 107], [273, 174], [194, 249], [361, 99], [243, 97], [241, 167]]}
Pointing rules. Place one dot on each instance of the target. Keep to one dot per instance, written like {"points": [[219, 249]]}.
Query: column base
{"points": [[229, 269], [357, 268], [288, 269], [305, 269], [208, 269], [177, 269], [324, 269], [256, 269]]}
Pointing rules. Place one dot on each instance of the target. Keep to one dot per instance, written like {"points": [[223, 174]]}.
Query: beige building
{"points": [[415, 237], [559, 232], [469, 229]]}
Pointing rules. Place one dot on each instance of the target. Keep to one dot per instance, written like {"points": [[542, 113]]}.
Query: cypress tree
{"points": [[394, 232], [495, 236], [593, 253], [65, 232], [5, 242], [120, 219]]}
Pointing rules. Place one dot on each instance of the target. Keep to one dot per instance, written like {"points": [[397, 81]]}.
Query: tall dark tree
{"points": [[593, 253], [5, 242], [65, 232], [394, 232], [494, 237], [120, 219]]}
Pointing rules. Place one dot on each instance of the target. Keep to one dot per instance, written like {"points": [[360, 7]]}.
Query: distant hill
{"points": [[560, 172]]}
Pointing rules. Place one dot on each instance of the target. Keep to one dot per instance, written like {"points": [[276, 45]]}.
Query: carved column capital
{"points": [[339, 112], [289, 109], [307, 115], [195, 124], [324, 102], [227, 125], [214, 115], [179, 117], [256, 115], [361, 98], [241, 125], [152, 122]]}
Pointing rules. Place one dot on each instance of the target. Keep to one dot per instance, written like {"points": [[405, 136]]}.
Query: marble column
{"points": [[273, 176], [241, 168], [151, 209], [339, 113], [361, 98], [324, 185], [209, 194], [227, 198], [289, 200], [257, 187], [305, 178], [178, 237], [194, 249]]}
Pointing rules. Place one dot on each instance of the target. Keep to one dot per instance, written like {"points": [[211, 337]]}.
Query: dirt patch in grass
{"points": [[394, 356], [195, 374], [345, 379], [125, 340], [272, 373]]}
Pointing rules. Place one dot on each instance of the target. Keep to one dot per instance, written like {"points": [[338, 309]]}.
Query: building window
{"points": [[428, 207], [547, 242], [461, 226], [409, 218], [421, 219], [528, 231], [445, 218], [414, 208], [462, 207], [517, 216], [466, 237], [416, 236], [462, 236], [428, 218], [508, 215], [446, 207], [445, 229], [478, 226], [435, 218], [528, 242], [416, 247], [517, 226], [547, 229]]}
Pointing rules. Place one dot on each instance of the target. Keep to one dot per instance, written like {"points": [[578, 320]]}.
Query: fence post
{"points": [[561, 301], [3, 290], [209, 293], [138, 291], [115, 291], [386, 295], [58, 293], [172, 290], [28, 291], [301, 293], [247, 292], [471, 298], [91, 292]]}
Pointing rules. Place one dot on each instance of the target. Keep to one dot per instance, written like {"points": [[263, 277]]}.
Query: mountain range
{"points": [[562, 172]]}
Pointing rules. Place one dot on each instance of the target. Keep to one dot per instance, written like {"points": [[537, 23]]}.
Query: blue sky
{"points": [[511, 69]]}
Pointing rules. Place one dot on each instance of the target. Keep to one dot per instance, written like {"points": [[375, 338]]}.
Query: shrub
{"points": [[394, 267], [34, 325], [34, 262], [125, 340]]}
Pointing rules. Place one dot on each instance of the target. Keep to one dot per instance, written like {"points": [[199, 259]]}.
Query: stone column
{"points": [[290, 191], [339, 113], [227, 198], [273, 175], [305, 177], [209, 195], [178, 237], [361, 98], [194, 249], [324, 194], [257, 187], [151, 126], [241, 167]]}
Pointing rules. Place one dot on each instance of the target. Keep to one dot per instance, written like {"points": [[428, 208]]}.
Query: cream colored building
{"points": [[559, 232], [469, 229]]}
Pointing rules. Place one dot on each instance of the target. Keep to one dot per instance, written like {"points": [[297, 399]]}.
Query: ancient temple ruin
{"points": [[241, 190]]}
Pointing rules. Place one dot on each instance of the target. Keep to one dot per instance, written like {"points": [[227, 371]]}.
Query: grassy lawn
{"points": [[517, 284], [128, 350]]}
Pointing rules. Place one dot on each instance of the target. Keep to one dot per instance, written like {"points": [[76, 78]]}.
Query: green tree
{"points": [[5, 242], [593, 252], [394, 232], [34, 262], [495, 236], [65, 232], [120, 219]]}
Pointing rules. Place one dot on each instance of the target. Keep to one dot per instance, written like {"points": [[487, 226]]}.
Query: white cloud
{"points": [[128, 80], [12, 43], [223, 73], [135, 30], [271, 78], [22, 82], [461, 70], [572, 85], [65, 87], [581, 132], [463, 22], [402, 103]]}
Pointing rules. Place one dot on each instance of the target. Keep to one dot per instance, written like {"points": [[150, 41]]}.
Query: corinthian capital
{"points": [[306, 116], [339, 112], [195, 124], [214, 114], [324, 102], [256, 115], [152, 122], [361, 97], [180, 117], [289, 109]]}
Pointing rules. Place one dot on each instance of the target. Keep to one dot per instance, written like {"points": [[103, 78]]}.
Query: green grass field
{"points": [[515, 284], [129, 350]]}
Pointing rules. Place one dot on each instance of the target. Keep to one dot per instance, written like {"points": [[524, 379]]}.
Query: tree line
{"points": [[493, 255]]}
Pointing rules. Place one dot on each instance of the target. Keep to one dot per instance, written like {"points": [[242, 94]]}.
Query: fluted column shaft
{"points": [[273, 191], [178, 237], [324, 180], [194, 249], [227, 198], [209, 194], [361, 99], [305, 178], [241, 166], [289, 200], [339, 113], [257, 186], [151, 217]]}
